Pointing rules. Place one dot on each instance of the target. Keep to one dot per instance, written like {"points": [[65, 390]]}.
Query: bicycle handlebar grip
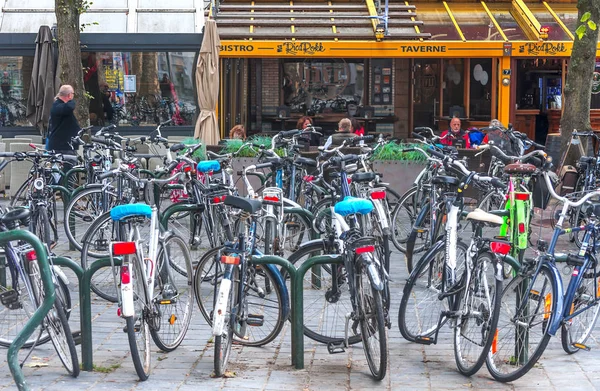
{"points": [[264, 165], [177, 147], [350, 157], [421, 128], [497, 183], [290, 133], [172, 165], [436, 153], [7, 154], [105, 175], [408, 150]]}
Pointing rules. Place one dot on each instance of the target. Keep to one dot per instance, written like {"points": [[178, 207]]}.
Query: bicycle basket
{"points": [[541, 194]]}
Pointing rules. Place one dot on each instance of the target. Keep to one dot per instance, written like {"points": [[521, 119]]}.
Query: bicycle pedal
{"points": [[424, 340], [581, 346], [255, 320], [336, 347], [77, 337], [10, 299]]}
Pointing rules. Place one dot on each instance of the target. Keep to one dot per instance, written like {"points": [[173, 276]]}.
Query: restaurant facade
{"points": [[410, 64]]}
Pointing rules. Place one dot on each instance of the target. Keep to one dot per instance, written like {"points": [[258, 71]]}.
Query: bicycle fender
{"points": [[372, 271], [285, 296], [558, 302], [60, 274], [426, 257], [219, 313]]}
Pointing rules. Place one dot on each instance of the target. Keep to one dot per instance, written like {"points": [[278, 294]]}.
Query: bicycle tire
{"points": [[403, 215], [578, 329], [139, 340], [40, 225], [207, 279], [59, 332], [174, 298], [224, 341], [324, 320], [501, 362], [20, 197], [372, 325], [419, 236], [478, 315], [80, 212]]}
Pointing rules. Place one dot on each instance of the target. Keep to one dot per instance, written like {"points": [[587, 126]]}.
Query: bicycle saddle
{"points": [[9, 219], [245, 204], [121, 212], [352, 205], [485, 217], [209, 165], [363, 177], [519, 168]]}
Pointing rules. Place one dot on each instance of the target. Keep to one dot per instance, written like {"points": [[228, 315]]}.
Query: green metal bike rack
{"points": [[170, 211], [297, 295], [39, 314], [85, 302]]}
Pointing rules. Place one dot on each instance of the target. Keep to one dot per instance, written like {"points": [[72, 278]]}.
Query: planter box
{"points": [[399, 174]]}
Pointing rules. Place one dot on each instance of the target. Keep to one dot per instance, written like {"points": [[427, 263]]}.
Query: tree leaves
{"points": [[585, 17], [591, 24], [580, 31]]}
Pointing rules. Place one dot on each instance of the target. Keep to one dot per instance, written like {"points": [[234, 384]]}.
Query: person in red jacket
{"points": [[455, 136]]}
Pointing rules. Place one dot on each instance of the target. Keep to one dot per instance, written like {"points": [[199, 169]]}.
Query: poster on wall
{"points": [[382, 82], [129, 83]]}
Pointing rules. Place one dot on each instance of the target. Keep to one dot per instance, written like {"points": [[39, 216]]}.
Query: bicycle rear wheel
{"points": [[478, 315], [59, 331], [138, 332], [174, 298], [521, 335], [578, 329], [403, 216], [372, 325], [264, 297]]}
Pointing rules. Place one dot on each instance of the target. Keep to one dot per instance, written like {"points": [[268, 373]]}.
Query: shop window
{"points": [[381, 79], [140, 89], [15, 77], [453, 87], [480, 89], [322, 86]]}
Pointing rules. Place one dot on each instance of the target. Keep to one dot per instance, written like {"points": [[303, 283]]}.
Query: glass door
{"points": [[233, 108], [426, 92]]}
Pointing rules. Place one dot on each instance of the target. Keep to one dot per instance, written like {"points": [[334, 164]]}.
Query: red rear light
{"points": [[125, 275], [365, 249], [349, 180], [522, 196], [187, 169], [124, 248], [500, 247], [230, 260], [308, 178], [378, 195], [271, 198], [216, 200], [32, 145], [31, 256], [521, 228]]}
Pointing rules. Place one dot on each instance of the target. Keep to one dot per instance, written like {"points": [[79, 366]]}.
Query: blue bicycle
{"points": [[535, 305]]}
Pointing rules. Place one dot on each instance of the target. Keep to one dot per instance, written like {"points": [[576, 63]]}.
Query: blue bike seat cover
{"points": [[209, 165], [352, 205], [121, 212]]}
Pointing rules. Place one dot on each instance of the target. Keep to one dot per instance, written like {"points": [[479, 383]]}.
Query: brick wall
{"points": [[401, 97], [270, 89]]}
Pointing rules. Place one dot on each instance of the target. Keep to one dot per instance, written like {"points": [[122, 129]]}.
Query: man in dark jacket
{"points": [[63, 124], [343, 133]]}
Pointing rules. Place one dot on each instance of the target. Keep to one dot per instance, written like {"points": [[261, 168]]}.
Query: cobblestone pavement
{"points": [[411, 366]]}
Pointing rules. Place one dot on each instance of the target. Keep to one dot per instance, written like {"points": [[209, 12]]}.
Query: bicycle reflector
{"points": [[123, 248], [364, 249], [31, 256], [308, 178], [521, 228], [378, 195], [230, 260], [218, 199], [522, 196], [125, 275], [271, 198], [500, 247]]}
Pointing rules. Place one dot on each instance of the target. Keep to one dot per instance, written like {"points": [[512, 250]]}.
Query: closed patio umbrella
{"points": [[207, 85], [44, 82]]}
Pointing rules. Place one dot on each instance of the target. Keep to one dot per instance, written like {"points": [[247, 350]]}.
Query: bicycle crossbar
{"points": [[40, 313], [297, 295]]}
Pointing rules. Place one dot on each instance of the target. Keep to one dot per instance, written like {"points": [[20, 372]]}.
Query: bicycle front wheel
{"points": [[478, 315], [174, 298], [372, 325], [521, 335], [403, 216], [577, 330], [138, 331], [224, 341]]}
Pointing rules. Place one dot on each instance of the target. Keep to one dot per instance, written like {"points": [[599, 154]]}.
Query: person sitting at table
{"points": [[344, 132], [357, 128], [238, 132], [305, 122], [455, 136]]}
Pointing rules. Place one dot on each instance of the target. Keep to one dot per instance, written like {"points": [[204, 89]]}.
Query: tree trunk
{"points": [[69, 57], [578, 88]]}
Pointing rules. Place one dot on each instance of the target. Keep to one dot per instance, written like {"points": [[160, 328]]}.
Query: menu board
{"points": [[381, 79]]}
